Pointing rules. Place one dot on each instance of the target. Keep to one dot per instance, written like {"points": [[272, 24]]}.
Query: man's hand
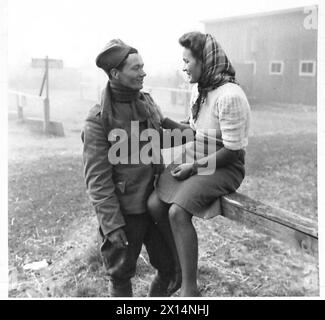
{"points": [[118, 238], [183, 171]]}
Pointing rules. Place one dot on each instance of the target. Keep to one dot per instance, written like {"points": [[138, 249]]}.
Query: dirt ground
{"points": [[50, 216]]}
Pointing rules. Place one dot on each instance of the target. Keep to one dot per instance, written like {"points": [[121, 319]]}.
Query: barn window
{"points": [[276, 67], [307, 68]]}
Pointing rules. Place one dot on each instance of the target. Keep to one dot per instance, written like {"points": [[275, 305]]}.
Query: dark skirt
{"points": [[198, 192]]}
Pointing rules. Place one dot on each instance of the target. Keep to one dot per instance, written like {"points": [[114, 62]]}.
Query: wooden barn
{"points": [[274, 53]]}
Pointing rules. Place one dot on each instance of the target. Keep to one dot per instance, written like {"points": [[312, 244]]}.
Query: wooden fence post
{"points": [[187, 103], [173, 97], [46, 108], [47, 99], [20, 112]]}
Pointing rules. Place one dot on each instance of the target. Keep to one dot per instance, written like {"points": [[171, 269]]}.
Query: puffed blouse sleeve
{"points": [[233, 112]]}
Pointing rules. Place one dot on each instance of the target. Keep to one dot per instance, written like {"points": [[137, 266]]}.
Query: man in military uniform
{"points": [[119, 192]]}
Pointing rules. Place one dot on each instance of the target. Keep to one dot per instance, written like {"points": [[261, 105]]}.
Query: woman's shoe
{"points": [[191, 293]]}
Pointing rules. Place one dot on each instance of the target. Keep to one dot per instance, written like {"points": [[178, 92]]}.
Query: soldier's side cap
{"points": [[113, 54]]}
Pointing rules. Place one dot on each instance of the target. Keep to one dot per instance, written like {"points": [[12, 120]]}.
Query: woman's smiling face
{"points": [[192, 66]]}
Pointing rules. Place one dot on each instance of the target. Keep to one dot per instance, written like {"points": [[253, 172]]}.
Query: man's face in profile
{"points": [[132, 74]]}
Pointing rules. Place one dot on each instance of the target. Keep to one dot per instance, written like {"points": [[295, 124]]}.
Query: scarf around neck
{"points": [[216, 71], [143, 107], [121, 93]]}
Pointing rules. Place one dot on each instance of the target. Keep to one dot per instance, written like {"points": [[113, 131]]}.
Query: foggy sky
{"points": [[75, 31]]}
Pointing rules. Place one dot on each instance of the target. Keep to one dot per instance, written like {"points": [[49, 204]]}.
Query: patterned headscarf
{"points": [[216, 71]]}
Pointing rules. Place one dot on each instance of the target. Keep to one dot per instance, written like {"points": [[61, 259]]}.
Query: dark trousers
{"points": [[121, 263]]}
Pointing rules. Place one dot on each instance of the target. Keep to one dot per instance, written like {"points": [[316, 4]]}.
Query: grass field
{"points": [[50, 216]]}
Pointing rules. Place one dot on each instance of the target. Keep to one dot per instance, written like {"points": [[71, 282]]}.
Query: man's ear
{"points": [[114, 73]]}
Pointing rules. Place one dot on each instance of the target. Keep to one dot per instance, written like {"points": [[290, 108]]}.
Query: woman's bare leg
{"points": [[158, 210], [187, 247]]}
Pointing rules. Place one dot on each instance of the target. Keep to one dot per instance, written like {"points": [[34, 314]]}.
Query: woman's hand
{"points": [[183, 171]]}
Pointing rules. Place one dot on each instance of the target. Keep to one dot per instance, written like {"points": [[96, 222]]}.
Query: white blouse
{"points": [[224, 116]]}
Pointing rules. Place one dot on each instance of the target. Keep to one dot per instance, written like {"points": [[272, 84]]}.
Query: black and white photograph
{"points": [[161, 149]]}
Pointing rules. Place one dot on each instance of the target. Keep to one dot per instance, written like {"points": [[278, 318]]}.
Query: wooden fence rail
{"points": [[21, 101], [44, 125], [295, 230]]}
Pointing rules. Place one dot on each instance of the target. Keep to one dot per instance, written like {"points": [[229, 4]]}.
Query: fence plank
{"points": [[26, 95], [281, 224], [37, 124]]}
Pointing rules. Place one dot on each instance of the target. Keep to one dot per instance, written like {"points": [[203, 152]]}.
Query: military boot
{"points": [[120, 288], [159, 286]]}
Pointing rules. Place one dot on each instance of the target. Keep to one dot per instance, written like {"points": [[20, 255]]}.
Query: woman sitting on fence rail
{"points": [[214, 164]]}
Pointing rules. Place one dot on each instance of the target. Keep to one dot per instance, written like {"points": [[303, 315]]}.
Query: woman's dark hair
{"points": [[195, 42]]}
